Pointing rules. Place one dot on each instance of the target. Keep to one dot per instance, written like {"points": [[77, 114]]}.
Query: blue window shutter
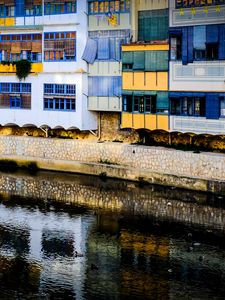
{"points": [[184, 46], [90, 51], [93, 86], [103, 48], [212, 106], [112, 48], [222, 41], [212, 34], [190, 45], [117, 86], [199, 38], [118, 48]]}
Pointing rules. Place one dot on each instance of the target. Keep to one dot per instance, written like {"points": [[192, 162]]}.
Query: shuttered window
{"points": [[151, 61], [139, 60], [212, 106], [153, 25], [104, 86]]}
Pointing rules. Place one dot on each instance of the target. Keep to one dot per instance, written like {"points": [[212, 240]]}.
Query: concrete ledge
{"points": [[122, 172]]}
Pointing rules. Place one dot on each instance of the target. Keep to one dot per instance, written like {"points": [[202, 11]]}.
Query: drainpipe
{"points": [[99, 126]]}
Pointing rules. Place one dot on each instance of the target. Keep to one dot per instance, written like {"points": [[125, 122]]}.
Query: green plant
{"points": [[23, 68], [5, 62]]}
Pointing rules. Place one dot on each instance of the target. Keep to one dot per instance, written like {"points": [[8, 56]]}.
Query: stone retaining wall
{"points": [[178, 205], [200, 171]]}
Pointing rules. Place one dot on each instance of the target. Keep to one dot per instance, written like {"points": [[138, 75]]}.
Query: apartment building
{"points": [[109, 27], [197, 66], [51, 35], [145, 68]]}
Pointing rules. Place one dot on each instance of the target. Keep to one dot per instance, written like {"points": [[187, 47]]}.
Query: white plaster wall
{"points": [[208, 76], [197, 125], [200, 17], [100, 22], [82, 118]]}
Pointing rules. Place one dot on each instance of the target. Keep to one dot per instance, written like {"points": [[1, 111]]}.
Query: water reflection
{"points": [[128, 251]]}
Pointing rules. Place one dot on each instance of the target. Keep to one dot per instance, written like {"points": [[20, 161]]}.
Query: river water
{"points": [[78, 237]]}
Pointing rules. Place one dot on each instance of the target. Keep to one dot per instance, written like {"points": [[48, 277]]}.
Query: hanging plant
{"points": [[23, 68]]}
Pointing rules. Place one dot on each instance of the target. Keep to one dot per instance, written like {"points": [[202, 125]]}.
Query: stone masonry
{"points": [[201, 171]]}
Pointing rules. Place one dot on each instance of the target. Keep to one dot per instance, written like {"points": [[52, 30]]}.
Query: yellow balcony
{"points": [[147, 121], [7, 21], [35, 68], [145, 47], [145, 81]]}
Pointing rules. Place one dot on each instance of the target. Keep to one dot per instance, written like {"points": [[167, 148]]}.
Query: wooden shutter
{"points": [[37, 2], [9, 2], [25, 45], [6, 100], [15, 48], [5, 46], [36, 47], [26, 101]]}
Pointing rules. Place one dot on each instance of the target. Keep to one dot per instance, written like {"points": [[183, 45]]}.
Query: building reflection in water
{"points": [[125, 254]]}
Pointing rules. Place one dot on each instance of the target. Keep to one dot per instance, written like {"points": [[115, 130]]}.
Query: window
{"points": [[60, 46], [175, 48], [60, 99], [188, 106], [15, 95], [48, 88], [62, 7], [32, 8], [59, 104], [153, 61], [104, 86], [139, 104], [212, 51], [222, 106], [10, 11], [15, 102], [15, 87], [26, 88], [153, 25], [104, 7], [21, 46], [5, 87], [109, 43]]}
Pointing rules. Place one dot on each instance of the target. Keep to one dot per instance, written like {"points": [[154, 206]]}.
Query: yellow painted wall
{"points": [[145, 47], [7, 21], [148, 121], [35, 68], [163, 122], [126, 120], [146, 81]]}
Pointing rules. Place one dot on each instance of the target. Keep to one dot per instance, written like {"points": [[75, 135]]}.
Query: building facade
{"points": [[145, 68], [197, 66], [52, 35], [139, 64]]}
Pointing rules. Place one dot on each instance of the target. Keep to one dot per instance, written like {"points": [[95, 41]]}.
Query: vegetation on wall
{"points": [[23, 67], [183, 141]]}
